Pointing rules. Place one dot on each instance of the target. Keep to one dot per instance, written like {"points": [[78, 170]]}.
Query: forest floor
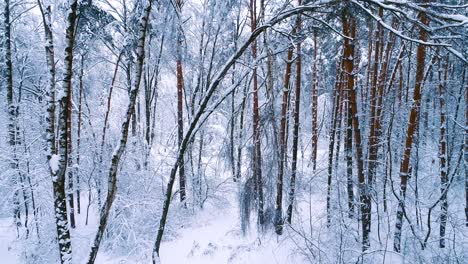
{"points": [[8, 252], [213, 235]]}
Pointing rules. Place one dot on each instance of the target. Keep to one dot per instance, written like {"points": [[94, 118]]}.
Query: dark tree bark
{"points": [[349, 154], [78, 138], [332, 133], [257, 155], [314, 93], [180, 87], [69, 188], [297, 104], [12, 118]]}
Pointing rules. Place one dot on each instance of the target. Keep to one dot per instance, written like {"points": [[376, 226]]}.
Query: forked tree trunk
{"points": [[112, 177], [411, 132]]}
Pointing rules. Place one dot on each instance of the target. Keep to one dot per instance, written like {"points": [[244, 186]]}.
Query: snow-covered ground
{"points": [[8, 254], [212, 236]]}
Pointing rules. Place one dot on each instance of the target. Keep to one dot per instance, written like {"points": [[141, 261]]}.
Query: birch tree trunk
{"points": [[115, 161], [443, 155], [58, 157]]}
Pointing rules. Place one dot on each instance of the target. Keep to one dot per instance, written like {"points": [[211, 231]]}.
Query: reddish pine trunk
{"points": [[411, 132], [180, 87], [349, 29]]}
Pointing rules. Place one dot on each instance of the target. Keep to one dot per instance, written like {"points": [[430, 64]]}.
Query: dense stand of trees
{"points": [[358, 105]]}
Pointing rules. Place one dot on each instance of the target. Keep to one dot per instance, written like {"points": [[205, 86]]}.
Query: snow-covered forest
{"points": [[233, 131]]}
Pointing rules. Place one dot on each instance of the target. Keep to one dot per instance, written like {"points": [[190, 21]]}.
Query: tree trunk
{"points": [[282, 144], [12, 117], [349, 154], [297, 104], [257, 155], [411, 132], [59, 163], [314, 106], [349, 29], [112, 177], [331, 143], [69, 188], [465, 154], [443, 155], [180, 87], [78, 139]]}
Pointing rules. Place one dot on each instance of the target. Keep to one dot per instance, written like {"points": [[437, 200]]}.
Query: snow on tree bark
{"points": [[116, 157], [411, 132]]}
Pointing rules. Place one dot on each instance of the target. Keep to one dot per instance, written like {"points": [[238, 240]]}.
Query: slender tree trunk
{"points": [[282, 144], [240, 135], [257, 156], [297, 104], [112, 178], [104, 128], [349, 154], [411, 132], [180, 87], [465, 154], [443, 155], [12, 117], [69, 188], [78, 139], [349, 29], [314, 93], [332, 135], [59, 163]]}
